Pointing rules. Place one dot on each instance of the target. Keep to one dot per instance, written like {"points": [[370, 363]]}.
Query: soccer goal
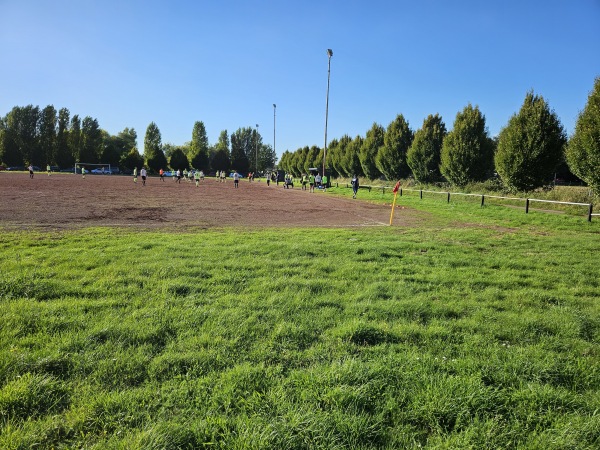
{"points": [[93, 168]]}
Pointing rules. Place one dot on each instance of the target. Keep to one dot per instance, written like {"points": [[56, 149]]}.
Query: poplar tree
{"points": [[467, 152], [222, 158], [47, 135], [583, 150], [312, 159], [153, 152], [531, 146], [75, 138], [351, 160], [337, 156], [64, 157], [391, 158], [423, 156], [242, 144], [369, 149], [199, 147], [91, 140]]}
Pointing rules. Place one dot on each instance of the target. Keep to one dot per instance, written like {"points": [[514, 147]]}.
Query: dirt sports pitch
{"points": [[68, 201]]}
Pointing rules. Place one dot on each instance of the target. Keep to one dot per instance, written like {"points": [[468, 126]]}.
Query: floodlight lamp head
{"points": [[329, 52]]}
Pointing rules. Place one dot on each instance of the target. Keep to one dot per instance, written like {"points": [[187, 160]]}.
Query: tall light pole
{"points": [[329, 55], [256, 145], [274, 109]]}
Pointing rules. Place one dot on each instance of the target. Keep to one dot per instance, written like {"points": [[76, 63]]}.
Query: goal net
{"points": [[95, 168]]}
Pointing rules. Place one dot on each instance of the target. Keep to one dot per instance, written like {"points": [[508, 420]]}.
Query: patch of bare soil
{"points": [[68, 201]]}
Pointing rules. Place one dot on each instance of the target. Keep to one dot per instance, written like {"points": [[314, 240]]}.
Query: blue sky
{"points": [[129, 63]]}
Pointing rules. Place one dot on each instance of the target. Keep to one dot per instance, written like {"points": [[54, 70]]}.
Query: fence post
{"points": [[400, 192], [421, 194], [482, 200], [527, 206], [383, 190], [448, 197], [590, 213]]}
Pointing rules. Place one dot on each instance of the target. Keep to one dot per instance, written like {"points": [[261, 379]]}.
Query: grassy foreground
{"points": [[483, 335]]}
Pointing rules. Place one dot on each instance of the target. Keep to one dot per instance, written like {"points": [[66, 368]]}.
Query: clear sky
{"points": [[225, 62]]}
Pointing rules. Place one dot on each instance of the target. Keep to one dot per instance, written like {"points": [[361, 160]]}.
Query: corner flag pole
{"points": [[395, 191]]}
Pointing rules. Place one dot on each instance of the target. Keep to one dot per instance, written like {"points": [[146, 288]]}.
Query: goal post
{"points": [[105, 168]]}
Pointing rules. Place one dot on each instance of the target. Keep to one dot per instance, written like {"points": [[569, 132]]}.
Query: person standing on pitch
{"points": [[135, 174], [355, 185], [30, 168], [236, 179], [197, 178], [83, 173], [325, 180], [179, 176], [143, 175], [161, 173], [48, 169], [311, 183]]}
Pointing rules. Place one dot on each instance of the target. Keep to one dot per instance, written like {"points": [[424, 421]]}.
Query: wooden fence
{"points": [[448, 195]]}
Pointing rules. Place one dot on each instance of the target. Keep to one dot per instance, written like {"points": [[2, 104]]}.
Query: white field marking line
{"points": [[369, 222]]}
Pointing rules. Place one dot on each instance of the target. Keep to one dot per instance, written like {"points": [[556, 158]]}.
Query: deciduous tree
{"points": [[153, 152], [369, 149], [64, 157], [199, 147], [91, 140], [47, 135], [133, 159], [391, 158], [351, 161], [468, 151], [531, 146], [221, 159], [75, 138], [179, 160], [583, 150], [423, 156], [242, 145]]}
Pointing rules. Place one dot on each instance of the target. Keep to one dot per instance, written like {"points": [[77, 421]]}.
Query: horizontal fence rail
{"points": [[527, 201]]}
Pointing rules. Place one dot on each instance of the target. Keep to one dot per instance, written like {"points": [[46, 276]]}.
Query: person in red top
{"points": [[162, 175]]}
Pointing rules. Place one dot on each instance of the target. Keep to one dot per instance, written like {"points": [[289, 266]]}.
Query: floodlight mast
{"points": [[274, 109], [256, 146], [329, 55]]}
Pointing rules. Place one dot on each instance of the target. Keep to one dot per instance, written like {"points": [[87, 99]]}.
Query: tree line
{"points": [[527, 154], [30, 135]]}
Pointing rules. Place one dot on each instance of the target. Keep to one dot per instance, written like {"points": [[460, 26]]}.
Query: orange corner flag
{"points": [[395, 191]]}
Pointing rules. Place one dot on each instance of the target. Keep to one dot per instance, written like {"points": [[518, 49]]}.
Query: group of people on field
{"points": [[309, 181], [313, 181]]}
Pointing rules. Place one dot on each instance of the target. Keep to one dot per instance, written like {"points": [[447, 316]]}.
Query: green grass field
{"points": [[478, 329]]}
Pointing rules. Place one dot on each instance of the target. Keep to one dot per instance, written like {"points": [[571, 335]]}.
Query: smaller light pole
{"points": [[274, 109], [256, 145], [329, 55]]}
